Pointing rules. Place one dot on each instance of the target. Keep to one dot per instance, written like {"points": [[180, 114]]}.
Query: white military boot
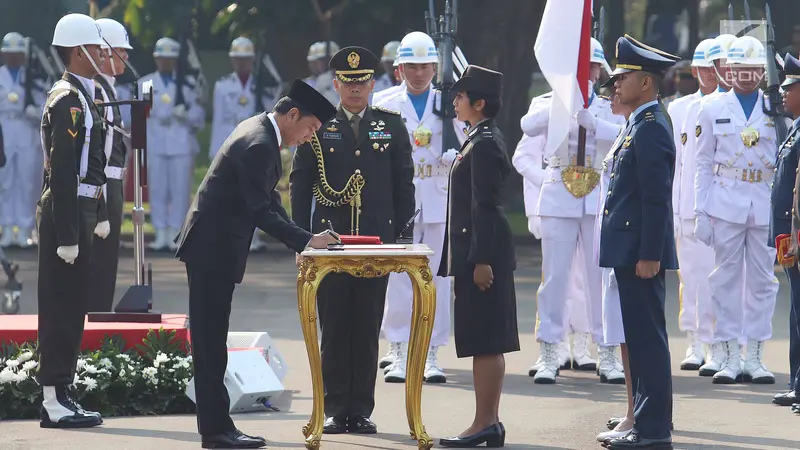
{"points": [[563, 359], [715, 362], [694, 354], [160, 242], [8, 237], [753, 370], [433, 374], [397, 370], [388, 359], [731, 371], [22, 237], [609, 367], [171, 233], [59, 410], [548, 368], [581, 357]]}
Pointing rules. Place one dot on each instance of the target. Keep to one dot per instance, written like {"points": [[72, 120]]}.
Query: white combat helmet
{"points": [[390, 51], [599, 56], [76, 30], [114, 33], [242, 47], [700, 58], [748, 51], [719, 49], [318, 50], [167, 48], [13, 43], [418, 48]]}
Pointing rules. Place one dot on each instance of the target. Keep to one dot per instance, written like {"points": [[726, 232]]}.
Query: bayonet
{"points": [[746, 11], [773, 106]]}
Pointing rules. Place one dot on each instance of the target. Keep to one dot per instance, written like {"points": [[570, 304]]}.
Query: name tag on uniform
{"points": [[379, 135], [328, 135], [722, 121]]}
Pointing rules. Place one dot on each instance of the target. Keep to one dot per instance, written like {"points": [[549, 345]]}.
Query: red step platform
{"points": [[24, 328]]}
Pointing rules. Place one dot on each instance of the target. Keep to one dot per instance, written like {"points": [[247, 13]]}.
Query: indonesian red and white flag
{"points": [[563, 51]]}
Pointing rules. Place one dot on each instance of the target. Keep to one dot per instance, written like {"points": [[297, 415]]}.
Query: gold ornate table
{"points": [[370, 262]]}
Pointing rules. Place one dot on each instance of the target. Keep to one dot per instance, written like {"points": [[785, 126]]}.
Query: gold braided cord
{"points": [[350, 194]]}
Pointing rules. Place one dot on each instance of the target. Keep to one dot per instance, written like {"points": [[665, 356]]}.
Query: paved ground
{"points": [[567, 415]]}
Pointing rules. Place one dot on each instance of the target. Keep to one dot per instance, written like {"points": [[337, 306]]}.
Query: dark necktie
{"points": [[354, 121]]}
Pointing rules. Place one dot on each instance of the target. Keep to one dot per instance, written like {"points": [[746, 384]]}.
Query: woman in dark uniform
{"points": [[479, 254]]}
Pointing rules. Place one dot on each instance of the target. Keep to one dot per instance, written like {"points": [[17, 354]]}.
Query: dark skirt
{"points": [[485, 321]]}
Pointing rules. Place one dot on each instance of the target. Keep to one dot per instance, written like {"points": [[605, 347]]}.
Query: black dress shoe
{"points": [[233, 439], [785, 399], [632, 440], [361, 425], [796, 408], [334, 425], [492, 436]]}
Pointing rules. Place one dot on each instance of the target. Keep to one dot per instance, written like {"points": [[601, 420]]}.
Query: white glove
{"points": [[449, 156], [676, 226], [33, 113], [68, 253], [587, 120], [179, 112], [703, 230], [102, 229], [535, 226]]}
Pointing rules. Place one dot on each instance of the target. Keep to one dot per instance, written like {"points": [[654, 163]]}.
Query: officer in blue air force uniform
{"points": [[637, 237], [783, 210]]}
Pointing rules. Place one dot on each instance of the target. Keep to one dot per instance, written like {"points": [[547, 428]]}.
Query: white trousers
{"points": [[561, 237], [20, 187], [396, 324], [613, 332], [738, 247], [696, 262], [169, 181]]}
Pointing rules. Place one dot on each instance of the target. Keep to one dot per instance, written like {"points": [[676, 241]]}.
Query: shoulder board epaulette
{"points": [[604, 97], [486, 132], [59, 96], [386, 110]]}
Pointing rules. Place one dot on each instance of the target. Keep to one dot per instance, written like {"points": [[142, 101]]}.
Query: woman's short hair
{"points": [[493, 103]]}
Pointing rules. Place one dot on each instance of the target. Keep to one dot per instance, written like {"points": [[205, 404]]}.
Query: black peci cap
{"points": [[311, 100]]}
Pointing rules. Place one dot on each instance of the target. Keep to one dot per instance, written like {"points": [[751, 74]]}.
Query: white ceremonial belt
{"points": [[114, 172], [746, 175], [555, 161], [89, 190], [423, 171]]}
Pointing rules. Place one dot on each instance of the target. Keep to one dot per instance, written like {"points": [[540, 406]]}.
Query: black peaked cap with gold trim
{"points": [[791, 67], [633, 56], [354, 65]]}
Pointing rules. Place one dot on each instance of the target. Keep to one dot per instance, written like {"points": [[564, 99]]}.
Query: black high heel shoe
{"points": [[493, 436]]}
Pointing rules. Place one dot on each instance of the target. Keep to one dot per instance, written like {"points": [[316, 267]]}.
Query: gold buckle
{"points": [[421, 171]]}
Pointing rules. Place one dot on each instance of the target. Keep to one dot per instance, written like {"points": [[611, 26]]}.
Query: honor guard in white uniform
{"points": [[234, 101], [401, 87], [736, 154], [21, 177], [388, 58], [527, 160], [695, 258], [171, 143], [418, 59], [568, 220], [321, 77]]}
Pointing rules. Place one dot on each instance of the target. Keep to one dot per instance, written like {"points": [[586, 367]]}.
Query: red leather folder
{"points": [[349, 239]]}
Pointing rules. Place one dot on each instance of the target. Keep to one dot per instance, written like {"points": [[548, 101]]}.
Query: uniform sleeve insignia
{"points": [[75, 113], [386, 110], [74, 134], [697, 131], [683, 138]]}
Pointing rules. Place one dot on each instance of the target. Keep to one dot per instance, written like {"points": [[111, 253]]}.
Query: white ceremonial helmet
{"points": [[747, 50], [242, 47], [318, 50], [417, 47], [313, 52], [719, 49], [115, 33], [390, 51], [700, 58], [76, 30], [13, 43], [167, 48], [599, 56]]}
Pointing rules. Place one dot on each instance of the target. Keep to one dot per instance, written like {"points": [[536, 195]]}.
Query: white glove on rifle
{"points": [[103, 229], [703, 230], [68, 253], [449, 156], [33, 113], [179, 112], [587, 120]]}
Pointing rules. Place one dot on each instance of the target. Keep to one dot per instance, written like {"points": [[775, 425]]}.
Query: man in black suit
{"points": [[358, 177], [236, 196], [637, 239]]}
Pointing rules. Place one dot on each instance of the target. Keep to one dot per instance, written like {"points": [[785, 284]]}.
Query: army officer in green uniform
{"points": [[355, 175]]}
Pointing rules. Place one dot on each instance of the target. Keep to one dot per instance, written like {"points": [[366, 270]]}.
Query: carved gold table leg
{"points": [[308, 281], [422, 316]]}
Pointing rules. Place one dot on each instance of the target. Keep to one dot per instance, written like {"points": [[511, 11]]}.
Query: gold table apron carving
{"points": [[370, 262]]}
